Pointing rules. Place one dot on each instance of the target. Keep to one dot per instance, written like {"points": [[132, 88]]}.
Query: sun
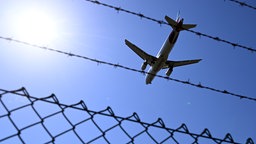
{"points": [[36, 27]]}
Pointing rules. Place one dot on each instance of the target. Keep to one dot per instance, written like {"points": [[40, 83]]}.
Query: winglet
{"points": [[127, 42]]}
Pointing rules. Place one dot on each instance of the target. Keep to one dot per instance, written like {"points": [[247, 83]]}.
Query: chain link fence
{"points": [[28, 119]]}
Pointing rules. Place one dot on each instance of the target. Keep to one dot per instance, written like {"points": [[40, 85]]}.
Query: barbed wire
{"points": [[244, 4], [199, 85], [118, 9], [88, 123]]}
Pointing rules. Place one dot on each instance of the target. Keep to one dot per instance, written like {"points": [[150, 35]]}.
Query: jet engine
{"points": [[169, 71], [143, 66]]}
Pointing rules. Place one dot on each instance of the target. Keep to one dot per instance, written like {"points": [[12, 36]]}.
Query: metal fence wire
{"points": [[186, 82], [29, 119]]}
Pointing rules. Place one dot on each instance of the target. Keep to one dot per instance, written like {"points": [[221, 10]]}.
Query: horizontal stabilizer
{"points": [[171, 22], [174, 24], [188, 26]]}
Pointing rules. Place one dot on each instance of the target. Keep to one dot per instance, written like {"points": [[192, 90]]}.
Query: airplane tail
{"points": [[174, 23]]}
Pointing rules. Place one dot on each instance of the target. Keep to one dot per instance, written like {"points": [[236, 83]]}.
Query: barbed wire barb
{"points": [[233, 44], [187, 82]]}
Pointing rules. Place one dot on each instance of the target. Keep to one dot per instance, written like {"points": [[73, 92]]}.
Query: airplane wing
{"points": [[146, 57], [169, 64]]}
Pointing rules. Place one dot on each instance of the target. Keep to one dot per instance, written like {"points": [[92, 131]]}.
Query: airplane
{"points": [[160, 61]]}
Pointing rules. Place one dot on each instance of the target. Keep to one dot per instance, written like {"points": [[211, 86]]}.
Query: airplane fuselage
{"points": [[162, 56]]}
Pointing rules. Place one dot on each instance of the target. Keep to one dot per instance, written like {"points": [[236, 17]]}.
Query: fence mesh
{"points": [[29, 119]]}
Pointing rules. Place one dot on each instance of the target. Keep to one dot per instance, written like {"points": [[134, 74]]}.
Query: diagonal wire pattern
{"points": [[199, 85], [244, 4], [89, 128], [233, 44]]}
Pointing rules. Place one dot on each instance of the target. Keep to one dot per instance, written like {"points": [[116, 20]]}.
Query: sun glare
{"points": [[35, 27]]}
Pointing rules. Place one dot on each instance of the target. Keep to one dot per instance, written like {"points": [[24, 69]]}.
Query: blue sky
{"points": [[99, 32]]}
